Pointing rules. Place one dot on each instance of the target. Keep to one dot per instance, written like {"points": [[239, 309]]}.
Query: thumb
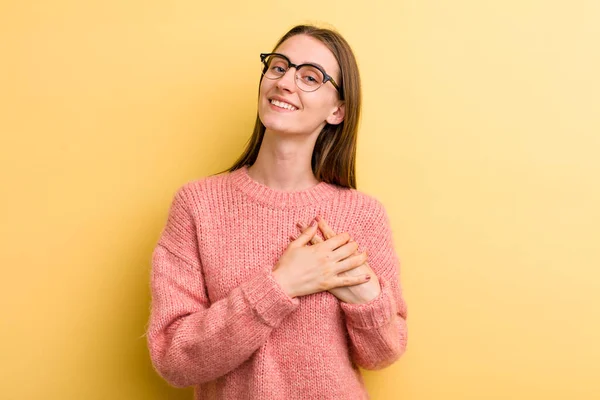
{"points": [[307, 234]]}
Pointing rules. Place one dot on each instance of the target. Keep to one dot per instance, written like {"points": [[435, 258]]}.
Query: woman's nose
{"points": [[288, 80]]}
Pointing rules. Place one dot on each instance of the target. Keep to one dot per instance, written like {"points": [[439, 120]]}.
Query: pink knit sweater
{"points": [[221, 323]]}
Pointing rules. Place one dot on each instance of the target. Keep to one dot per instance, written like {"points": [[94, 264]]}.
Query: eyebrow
{"points": [[311, 63]]}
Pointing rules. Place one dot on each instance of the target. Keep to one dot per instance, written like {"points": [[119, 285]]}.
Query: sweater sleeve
{"points": [[378, 330], [190, 340]]}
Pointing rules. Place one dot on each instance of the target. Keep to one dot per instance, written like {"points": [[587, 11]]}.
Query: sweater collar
{"points": [[278, 198]]}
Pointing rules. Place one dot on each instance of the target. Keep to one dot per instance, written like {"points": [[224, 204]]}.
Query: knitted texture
{"points": [[220, 321]]}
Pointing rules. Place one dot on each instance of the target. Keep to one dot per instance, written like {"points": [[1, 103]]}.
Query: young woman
{"points": [[277, 279]]}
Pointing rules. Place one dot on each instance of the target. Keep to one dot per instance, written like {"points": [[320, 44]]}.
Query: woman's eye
{"points": [[310, 79], [279, 69]]}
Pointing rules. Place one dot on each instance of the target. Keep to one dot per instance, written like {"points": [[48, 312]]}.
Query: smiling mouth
{"points": [[284, 105]]}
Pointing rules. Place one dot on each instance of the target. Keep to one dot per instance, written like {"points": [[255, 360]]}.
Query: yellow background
{"points": [[481, 135]]}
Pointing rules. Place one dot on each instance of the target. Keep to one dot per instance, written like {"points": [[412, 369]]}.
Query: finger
{"points": [[295, 236], [325, 228], [350, 280], [306, 235], [345, 251], [351, 263], [336, 241], [315, 238]]}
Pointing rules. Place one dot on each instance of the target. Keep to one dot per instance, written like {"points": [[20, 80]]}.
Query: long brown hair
{"points": [[334, 155]]}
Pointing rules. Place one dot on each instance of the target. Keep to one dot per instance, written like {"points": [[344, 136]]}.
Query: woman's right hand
{"points": [[303, 270]]}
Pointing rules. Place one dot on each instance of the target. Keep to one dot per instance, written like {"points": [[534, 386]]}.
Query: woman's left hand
{"points": [[358, 294]]}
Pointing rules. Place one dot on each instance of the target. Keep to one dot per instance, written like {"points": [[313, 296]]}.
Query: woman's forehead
{"points": [[302, 49]]}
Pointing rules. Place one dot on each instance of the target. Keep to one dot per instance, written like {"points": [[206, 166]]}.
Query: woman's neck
{"points": [[284, 163]]}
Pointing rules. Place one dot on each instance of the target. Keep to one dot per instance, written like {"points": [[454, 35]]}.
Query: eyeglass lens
{"points": [[308, 78]]}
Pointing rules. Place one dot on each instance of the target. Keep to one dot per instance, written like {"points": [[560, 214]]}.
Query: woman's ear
{"points": [[337, 116]]}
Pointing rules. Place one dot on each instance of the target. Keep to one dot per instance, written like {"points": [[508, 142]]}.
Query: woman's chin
{"points": [[279, 127], [281, 131]]}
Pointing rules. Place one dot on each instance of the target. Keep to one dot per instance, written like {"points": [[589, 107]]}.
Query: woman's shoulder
{"points": [[194, 191], [354, 199], [361, 209]]}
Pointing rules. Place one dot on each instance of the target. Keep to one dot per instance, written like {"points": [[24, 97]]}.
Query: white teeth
{"points": [[283, 105]]}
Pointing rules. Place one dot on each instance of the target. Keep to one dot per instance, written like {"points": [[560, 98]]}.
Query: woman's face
{"points": [[311, 110]]}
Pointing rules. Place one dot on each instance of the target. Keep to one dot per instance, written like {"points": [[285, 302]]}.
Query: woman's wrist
{"points": [[280, 281], [365, 294]]}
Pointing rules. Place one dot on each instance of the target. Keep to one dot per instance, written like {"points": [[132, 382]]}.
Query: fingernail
{"points": [[313, 223], [318, 218]]}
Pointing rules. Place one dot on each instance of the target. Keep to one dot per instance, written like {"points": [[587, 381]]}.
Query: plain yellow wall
{"points": [[481, 135]]}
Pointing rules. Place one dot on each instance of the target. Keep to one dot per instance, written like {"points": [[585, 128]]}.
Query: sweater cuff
{"points": [[267, 299], [374, 314]]}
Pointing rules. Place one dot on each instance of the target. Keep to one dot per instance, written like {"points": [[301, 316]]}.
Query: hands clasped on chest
{"points": [[312, 265]]}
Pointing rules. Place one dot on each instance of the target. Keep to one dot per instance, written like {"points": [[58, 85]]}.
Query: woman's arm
{"points": [[378, 329], [190, 340]]}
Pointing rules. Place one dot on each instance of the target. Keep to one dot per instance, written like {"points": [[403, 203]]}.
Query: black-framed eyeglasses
{"points": [[309, 77]]}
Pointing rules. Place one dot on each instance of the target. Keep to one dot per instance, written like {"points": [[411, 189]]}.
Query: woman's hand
{"points": [[304, 270], [353, 294]]}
